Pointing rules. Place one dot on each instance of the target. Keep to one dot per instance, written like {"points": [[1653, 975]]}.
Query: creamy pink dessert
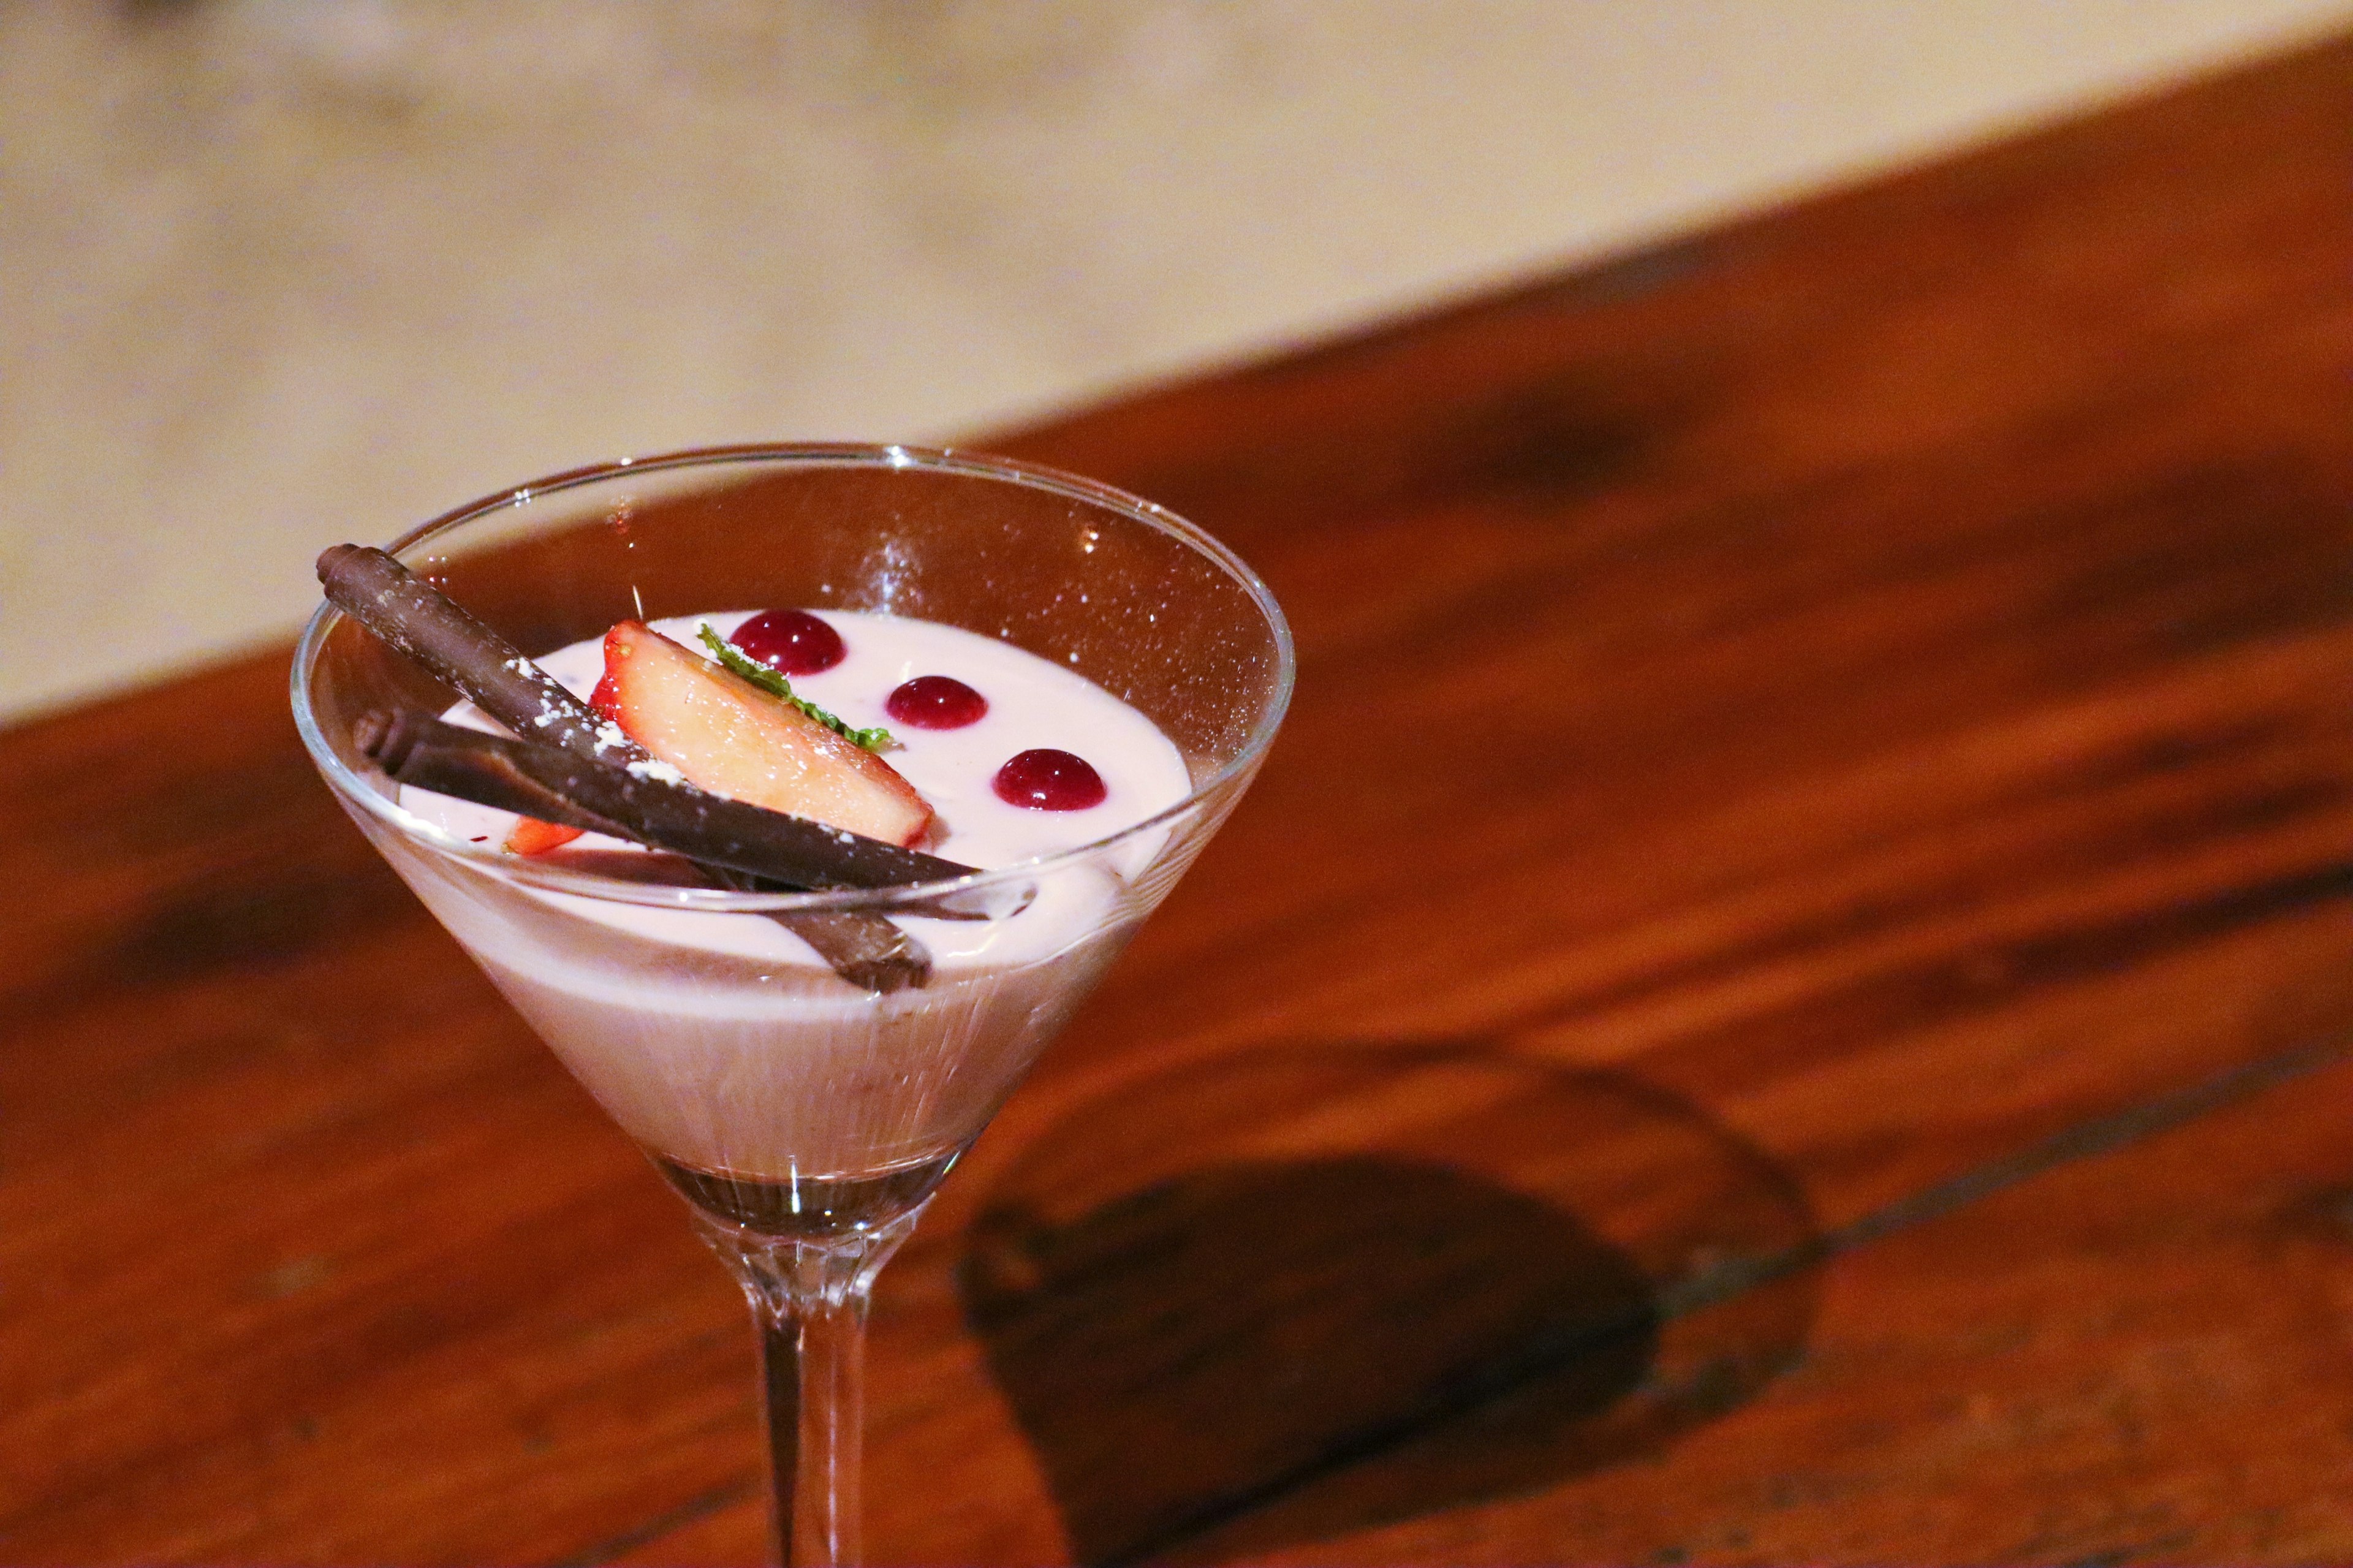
{"points": [[721, 1040]]}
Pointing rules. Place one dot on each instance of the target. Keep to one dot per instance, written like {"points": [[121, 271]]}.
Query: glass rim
{"points": [[356, 791]]}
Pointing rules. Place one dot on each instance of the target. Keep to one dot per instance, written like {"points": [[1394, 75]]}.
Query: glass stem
{"points": [[809, 1301]]}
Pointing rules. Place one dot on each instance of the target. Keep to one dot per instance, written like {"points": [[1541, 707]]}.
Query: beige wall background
{"points": [[275, 274]]}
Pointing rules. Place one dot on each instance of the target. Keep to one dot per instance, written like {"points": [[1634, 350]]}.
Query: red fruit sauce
{"points": [[1048, 780], [935, 702], [790, 642]]}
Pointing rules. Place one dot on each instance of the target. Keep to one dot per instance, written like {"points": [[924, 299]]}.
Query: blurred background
{"points": [[276, 273]]}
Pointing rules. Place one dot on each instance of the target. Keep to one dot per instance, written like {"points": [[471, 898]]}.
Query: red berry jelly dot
{"points": [[791, 642], [1049, 780], [935, 702]]}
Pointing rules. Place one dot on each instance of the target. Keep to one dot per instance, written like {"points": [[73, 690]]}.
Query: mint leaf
{"points": [[768, 680]]}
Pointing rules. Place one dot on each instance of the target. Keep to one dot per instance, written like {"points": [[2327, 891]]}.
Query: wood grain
{"points": [[1867, 1087]]}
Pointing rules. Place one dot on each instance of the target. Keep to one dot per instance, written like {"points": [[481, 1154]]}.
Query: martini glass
{"points": [[805, 1116]]}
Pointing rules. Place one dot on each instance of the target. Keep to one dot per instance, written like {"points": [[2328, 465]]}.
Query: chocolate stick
{"points": [[439, 633], [425, 624], [864, 949], [533, 780], [516, 775], [735, 845]]}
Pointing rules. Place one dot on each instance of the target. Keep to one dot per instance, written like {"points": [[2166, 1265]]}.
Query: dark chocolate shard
{"points": [[419, 620], [637, 802], [863, 947], [444, 637]]}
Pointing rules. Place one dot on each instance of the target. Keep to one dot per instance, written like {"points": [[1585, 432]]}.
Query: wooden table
{"points": [[1873, 1081]]}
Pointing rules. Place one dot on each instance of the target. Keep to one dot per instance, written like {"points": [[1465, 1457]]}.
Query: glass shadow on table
{"points": [[1298, 1294]]}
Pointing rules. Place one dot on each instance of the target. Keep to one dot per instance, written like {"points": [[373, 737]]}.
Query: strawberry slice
{"points": [[530, 836], [733, 739]]}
